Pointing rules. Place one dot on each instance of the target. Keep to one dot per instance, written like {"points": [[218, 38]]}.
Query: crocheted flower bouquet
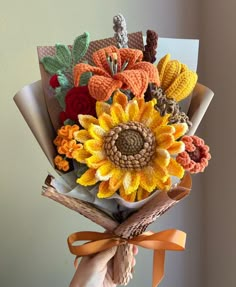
{"points": [[122, 147]]}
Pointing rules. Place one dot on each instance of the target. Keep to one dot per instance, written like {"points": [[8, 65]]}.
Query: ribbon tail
{"points": [[158, 267]]}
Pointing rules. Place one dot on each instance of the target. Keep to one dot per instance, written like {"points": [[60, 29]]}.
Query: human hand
{"points": [[97, 270]]}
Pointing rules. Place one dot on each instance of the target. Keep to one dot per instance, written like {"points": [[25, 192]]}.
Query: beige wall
{"points": [[33, 249], [217, 68]]}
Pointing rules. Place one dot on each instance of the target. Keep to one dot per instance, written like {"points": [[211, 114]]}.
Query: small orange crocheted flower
{"points": [[68, 147], [61, 163], [117, 69], [66, 144], [196, 155]]}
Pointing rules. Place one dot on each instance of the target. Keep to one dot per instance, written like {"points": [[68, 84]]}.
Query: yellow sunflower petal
{"points": [[132, 110], [96, 131], [176, 147], [180, 130], [95, 161], [93, 146], [160, 170], [104, 172], [162, 157], [82, 136], [146, 112], [118, 114], [80, 155], [148, 178], [164, 130], [106, 122], [164, 141], [131, 181], [127, 197], [87, 120], [116, 179], [104, 191], [102, 107], [164, 185], [88, 178], [175, 168], [120, 98], [157, 120], [142, 194]]}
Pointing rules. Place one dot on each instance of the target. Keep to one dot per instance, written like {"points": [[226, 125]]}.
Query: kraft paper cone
{"points": [[137, 223], [30, 101], [201, 98], [41, 114], [134, 225]]}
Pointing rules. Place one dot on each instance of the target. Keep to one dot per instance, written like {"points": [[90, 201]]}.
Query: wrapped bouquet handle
{"points": [[159, 242], [137, 223], [132, 227]]}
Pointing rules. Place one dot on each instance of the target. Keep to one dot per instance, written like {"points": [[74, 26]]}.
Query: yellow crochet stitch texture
{"points": [[177, 80], [133, 171]]}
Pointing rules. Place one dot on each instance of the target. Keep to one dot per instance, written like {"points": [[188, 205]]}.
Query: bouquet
{"points": [[112, 124]]}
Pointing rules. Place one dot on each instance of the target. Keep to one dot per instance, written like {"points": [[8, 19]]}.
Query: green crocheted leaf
{"points": [[63, 81], [84, 79], [52, 65], [68, 122], [80, 47], [81, 169], [60, 96], [63, 54]]}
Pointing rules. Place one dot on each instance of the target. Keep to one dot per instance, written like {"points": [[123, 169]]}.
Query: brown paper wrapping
{"points": [[30, 101], [134, 225], [41, 114]]}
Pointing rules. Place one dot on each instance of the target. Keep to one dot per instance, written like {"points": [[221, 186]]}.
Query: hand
{"points": [[97, 270]]}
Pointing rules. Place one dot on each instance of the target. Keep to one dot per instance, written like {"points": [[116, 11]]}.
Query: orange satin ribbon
{"points": [[170, 239]]}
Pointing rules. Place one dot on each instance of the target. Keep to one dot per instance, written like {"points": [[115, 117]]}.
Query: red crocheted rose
{"points": [[54, 83], [78, 101]]}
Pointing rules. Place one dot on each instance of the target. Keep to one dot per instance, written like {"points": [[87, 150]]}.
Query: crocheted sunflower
{"points": [[128, 148]]}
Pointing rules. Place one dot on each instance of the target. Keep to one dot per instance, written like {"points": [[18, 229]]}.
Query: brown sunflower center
{"points": [[130, 145]]}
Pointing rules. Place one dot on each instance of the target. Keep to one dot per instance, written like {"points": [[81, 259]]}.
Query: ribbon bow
{"points": [[170, 239]]}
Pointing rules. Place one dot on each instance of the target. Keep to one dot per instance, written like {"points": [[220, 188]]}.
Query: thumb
{"points": [[105, 256]]}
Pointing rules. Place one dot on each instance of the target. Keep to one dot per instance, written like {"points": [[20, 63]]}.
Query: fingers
{"points": [[135, 250], [104, 256]]}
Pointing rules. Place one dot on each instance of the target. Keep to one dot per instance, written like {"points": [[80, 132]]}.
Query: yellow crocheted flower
{"points": [[128, 148], [177, 80]]}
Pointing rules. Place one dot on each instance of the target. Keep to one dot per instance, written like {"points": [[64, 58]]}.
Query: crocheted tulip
{"points": [[177, 80]]}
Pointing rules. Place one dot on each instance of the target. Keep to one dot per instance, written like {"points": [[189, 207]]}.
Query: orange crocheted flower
{"points": [[61, 163], [196, 155], [117, 69], [66, 144]]}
